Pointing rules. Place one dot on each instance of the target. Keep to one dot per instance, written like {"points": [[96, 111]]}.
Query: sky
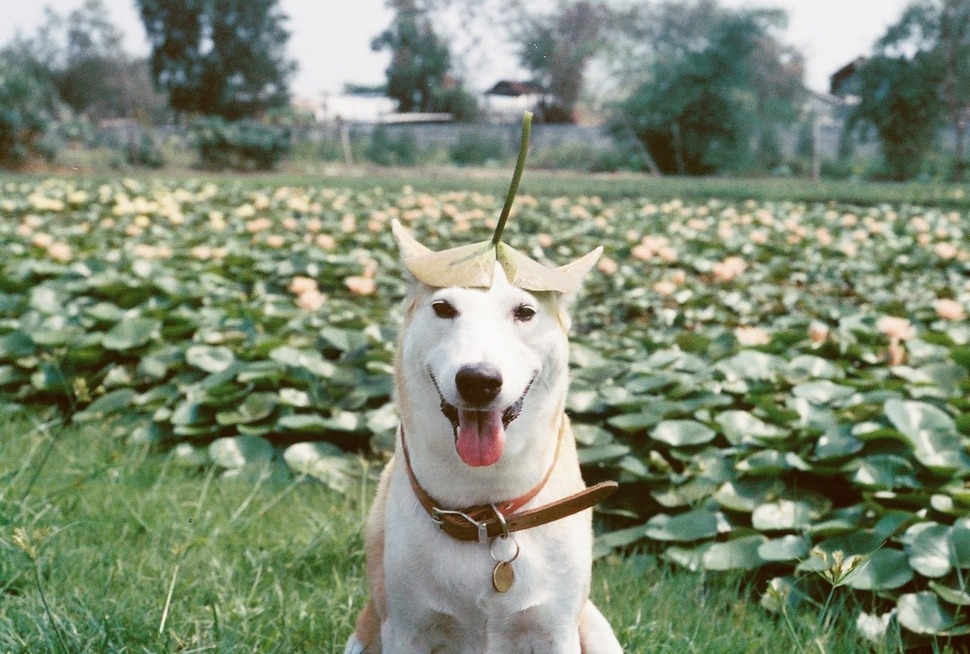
{"points": [[330, 39]]}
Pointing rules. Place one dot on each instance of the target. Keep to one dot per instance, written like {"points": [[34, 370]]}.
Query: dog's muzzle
{"points": [[478, 385]]}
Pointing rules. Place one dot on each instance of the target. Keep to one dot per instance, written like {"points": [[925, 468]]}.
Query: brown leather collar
{"points": [[485, 521]]}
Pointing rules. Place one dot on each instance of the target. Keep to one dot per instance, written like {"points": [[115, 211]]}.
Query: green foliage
{"points": [[221, 58], [705, 96], [143, 151], [557, 49], [26, 108], [260, 560], [241, 145], [779, 386], [388, 147], [475, 149], [900, 99], [81, 56], [420, 73]]}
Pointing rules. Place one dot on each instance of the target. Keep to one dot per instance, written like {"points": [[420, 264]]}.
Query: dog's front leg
{"points": [[595, 634]]}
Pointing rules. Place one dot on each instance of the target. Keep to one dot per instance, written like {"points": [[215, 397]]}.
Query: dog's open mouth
{"points": [[480, 434]]}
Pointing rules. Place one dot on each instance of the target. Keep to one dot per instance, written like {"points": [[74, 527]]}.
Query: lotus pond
{"points": [[780, 387]]}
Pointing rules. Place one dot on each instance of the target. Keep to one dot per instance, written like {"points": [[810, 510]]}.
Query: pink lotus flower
{"points": [[818, 332], [897, 329], [665, 288], [360, 285], [60, 252], [949, 310], [607, 266], [301, 284], [728, 269], [311, 300], [752, 336]]}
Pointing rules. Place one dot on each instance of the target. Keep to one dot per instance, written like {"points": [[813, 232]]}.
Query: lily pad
{"points": [[737, 554], [690, 526], [884, 569], [785, 548], [741, 426], [682, 433], [323, 461], [936, 442], [239, 451], [131, 333], [210, 358], [922, 613]]}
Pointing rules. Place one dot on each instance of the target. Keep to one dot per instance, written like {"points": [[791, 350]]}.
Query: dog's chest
{"points": [[433, 576]]}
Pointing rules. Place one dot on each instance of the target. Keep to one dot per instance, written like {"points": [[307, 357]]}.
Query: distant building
{"points": [[844, 84], [507, 100], [347, 107]]}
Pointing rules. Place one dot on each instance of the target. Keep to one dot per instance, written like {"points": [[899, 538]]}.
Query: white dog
{"points": [[480, 537]]}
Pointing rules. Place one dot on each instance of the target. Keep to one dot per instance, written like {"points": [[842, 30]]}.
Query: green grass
{"points": [[547, 183], [108, 547]]}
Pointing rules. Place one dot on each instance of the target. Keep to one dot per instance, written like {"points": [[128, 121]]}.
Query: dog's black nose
{"points": [[478, 384]]}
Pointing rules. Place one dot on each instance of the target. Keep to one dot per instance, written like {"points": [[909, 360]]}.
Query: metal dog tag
{"points": [[503, 576]]}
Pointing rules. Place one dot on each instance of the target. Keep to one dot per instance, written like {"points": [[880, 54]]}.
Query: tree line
{"points": [[697, 87]]}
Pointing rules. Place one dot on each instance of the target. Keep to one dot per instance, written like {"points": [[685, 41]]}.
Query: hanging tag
{"points": [[503, 576]]}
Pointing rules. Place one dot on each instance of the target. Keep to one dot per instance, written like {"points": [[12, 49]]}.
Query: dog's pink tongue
{"points": [[481, 437]]}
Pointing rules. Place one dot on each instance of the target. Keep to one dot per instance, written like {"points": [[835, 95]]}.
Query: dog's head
{"points": [[484, 362]]}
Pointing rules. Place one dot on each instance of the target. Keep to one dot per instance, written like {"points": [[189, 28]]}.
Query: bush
{"points": [[389, 149], [26, 103], [577, 156], [240, 145], [143, 151], [475, 148]]}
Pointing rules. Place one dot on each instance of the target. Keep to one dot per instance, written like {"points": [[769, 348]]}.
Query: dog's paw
{"points": [[354, 647]]}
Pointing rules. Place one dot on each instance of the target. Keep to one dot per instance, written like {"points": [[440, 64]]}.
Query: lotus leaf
{"points": [[884, 569], [958, 594], [783, 515], [822, 392], [936, 442], [691, 526], [737, 554], [682, 433], [131, 333], [741, 426], [210, 358], [255, 407], [922, 613], [785, 548], [324, 462], [238, 451]]}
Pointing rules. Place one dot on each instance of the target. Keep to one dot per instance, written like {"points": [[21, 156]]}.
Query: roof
{"points": [[515, 89]]}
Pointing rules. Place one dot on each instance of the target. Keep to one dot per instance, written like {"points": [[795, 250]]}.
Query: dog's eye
{"points": [[444, 309], [524, 313]]}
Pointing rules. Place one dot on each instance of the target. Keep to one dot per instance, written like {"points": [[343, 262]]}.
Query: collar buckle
{"points": [[438, 517]]}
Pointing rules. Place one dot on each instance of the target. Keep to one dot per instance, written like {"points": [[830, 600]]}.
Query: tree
{"points": [[420, 75], [219, 57], [80, 55], [714, 85], [27, 104], [934, 37], [900, 98], [557, 48]]}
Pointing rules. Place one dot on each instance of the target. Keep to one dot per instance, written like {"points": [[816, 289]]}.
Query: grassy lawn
{"points": [[107, 547], [546, 183]]}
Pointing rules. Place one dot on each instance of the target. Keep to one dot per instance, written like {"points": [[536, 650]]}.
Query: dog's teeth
{"points": [[450, 412]]}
